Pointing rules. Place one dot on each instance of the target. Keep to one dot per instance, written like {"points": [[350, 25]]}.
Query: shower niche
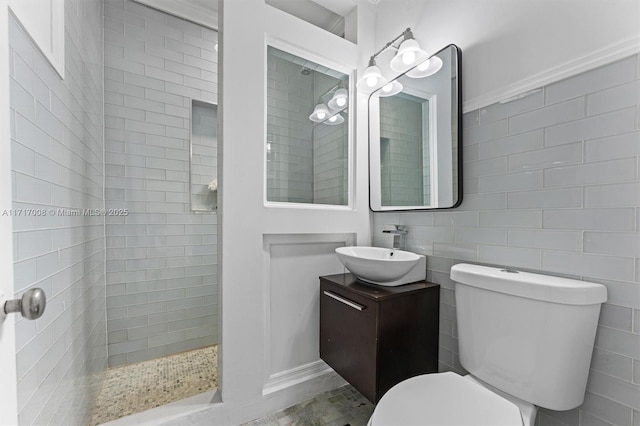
{"points": [[203, 168], [307, 146]]}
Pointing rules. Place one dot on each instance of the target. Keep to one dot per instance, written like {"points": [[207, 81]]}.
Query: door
{"points": [[8, 391]]}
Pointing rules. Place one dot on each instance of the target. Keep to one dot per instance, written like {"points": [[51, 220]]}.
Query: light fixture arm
{"points": [[332, 89], [337, 86], [405, 35]]}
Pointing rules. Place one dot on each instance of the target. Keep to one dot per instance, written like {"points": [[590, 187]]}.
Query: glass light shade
{"points": [[320, 113], [371, 79], [427, 68], [339, 100], [390, 89], [409, 55], [335, 120]]}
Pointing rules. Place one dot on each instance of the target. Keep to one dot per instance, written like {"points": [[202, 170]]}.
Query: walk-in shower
{"points": [[160, 158]]}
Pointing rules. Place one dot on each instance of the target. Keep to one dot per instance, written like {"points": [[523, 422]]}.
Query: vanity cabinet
{"points": [[376, 337]]}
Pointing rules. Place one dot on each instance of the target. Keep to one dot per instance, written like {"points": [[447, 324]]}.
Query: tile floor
{"points": [[339, 407], [138, 387]]}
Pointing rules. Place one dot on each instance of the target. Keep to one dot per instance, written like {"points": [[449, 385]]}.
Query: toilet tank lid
{"points": [[529, 285]]}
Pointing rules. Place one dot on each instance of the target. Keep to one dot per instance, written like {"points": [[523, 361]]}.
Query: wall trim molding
{"points": [[294, 376], [606, 55], [280, 380]]}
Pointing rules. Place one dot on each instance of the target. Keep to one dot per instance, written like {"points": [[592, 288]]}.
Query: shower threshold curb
{"points": [[167, 412]]}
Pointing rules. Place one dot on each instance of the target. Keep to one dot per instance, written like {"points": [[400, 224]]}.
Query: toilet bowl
{"points": [[448, 399], [526, 340]]}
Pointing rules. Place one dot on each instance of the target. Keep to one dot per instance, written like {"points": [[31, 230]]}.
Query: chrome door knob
{"points": [[31, 305]]}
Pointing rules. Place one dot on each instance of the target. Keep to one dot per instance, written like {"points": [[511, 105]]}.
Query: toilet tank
{"points": [[526, 334]]}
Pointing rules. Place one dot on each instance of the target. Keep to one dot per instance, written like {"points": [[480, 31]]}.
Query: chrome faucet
{"points": [[398, 236]]}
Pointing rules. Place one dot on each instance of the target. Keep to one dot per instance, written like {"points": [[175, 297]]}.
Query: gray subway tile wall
{"points": [[57, 165], [403, 181], [290, 98], [552, 186], [161, 258], [330, 164]]}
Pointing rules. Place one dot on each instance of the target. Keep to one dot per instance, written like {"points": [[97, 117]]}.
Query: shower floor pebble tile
{"points": [[138, 387], [339, 407]]}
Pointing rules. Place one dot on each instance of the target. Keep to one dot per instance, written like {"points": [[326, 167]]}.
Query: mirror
{"points": [[307, 142], [415, 156]]}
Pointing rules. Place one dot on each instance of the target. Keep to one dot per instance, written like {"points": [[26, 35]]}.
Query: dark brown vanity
{"points": [[375, 336]]}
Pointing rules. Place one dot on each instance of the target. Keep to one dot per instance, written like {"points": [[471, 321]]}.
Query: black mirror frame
{"points": [[459, 141]]}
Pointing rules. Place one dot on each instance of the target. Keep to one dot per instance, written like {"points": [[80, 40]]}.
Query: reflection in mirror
{"points": [[413, 138], [307, 144], [204, 156]]}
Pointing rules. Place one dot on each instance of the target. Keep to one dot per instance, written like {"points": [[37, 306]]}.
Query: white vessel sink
{"points": [[383, 266]]}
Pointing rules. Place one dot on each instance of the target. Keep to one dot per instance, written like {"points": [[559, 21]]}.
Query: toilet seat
{"points": [[444, 399]]}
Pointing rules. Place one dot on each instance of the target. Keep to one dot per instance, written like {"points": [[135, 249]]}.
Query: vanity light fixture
{"points": [[372, 78], [409, 56], [335, 120], [391, 89], [409, 53], [328, 112], [427, 68], [320, 112], [339, 100]]}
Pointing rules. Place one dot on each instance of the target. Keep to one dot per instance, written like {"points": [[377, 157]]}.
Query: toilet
{"points": [[525, 339]]}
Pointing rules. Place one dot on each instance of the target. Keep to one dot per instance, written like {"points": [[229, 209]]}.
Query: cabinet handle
{"points": [[345, 301]]}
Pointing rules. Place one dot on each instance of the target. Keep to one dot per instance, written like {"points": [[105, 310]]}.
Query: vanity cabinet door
{"points": [[348, 337]]}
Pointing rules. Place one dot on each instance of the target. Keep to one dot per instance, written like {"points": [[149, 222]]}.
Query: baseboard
{"points": [[294, 376]]}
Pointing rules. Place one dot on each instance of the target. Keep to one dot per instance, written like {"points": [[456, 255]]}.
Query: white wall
{"points": [[512, 46], [247, 222]]}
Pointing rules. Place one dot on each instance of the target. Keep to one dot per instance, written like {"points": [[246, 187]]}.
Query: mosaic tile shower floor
{"points": [[138, 387], [339, 407]]}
